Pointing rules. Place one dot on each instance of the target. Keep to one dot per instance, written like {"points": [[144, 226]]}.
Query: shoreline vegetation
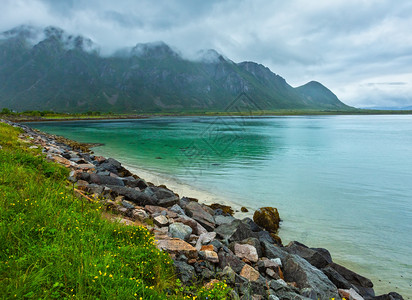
{"points": [[40, 116], [76, 226]]}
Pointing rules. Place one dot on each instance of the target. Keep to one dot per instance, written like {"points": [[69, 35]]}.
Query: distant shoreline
{"points": [[63, 117]]}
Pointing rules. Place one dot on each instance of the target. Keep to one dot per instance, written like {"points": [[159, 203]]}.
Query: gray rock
{"points": [[177, 209], [264, 236], [284, 291], [229, 259], [196, 211], [139, 214], [127, 204], [318, 257], [299, 270], [185, 271], [272, 251], [220, 219], [363, 285], [94, 188], [180, 230], [234, 232], [229, 274], [336, 278], [165, 197], [204, 239], [253, 226], [137, 197], [196, 227], [110, 165]]}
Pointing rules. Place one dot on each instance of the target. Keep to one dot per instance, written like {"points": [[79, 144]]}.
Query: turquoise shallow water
{"points": [[339, 182]]}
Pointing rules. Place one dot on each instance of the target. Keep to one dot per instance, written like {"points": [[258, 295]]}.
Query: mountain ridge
{"points": [[51, 70]]}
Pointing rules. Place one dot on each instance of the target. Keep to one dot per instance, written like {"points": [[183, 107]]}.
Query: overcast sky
{"points": [[360, 49]]}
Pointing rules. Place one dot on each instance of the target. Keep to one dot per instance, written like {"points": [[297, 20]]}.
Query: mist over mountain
{"points": [[48, 69]]}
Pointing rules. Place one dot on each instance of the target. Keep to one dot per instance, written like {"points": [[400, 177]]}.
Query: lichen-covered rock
{"points": [[267, 218]]}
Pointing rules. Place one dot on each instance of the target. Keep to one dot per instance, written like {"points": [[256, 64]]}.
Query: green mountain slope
{"points": [[51, 70]]}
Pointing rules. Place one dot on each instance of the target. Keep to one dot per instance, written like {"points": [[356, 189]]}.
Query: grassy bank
{"points": [[55, 245]]}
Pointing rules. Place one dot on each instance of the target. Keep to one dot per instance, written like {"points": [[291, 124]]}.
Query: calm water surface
{"points": [[339, 182]]}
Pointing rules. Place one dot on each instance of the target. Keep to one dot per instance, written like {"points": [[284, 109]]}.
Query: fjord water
{"points": [[340, 182]]}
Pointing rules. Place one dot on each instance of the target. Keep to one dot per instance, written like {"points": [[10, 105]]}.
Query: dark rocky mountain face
{"points": [[51, 70]]}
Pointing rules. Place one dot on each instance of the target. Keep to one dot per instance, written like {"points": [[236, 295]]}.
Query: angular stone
{"points": [[153, 209], [177, 247], [139, 214], [255, 243], [229, 274], [235, 231], [185, 271], [336, 278], [297, 269], [180, 230], [350, 294], [196, 227], [229, 259], [272, 274], [210, 256], [165, 197], [221, 219], [253, 226], [177, 209], [205, 238], [161, 221], [127, 204], [132, 195], [363, 285], [267, 218], [272, 251], [246, 251], [318, 257], [195, 211], [105, 180], [249, 273]]}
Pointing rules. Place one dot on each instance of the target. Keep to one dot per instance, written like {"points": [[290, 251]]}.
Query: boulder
{"points": [[139, 214], [249, 273], [177, 209], [350, 294], [180, 230], [196, 212], [297, 269], [229, 259], [317, 257], [246, 251], [264, 236], [110, 165], [363, 285], [209, 255], [221, 219], [253, 226], [185, 271], [271, 251], [161, 221], [255, 243], [336, 278], [234, 232], [205, 238], [133, 195], [105, 180], [267, 218], [177, 246], [165, 197], [196, 227]]}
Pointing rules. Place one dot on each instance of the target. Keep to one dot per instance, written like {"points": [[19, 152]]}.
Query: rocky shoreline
{"points": [[205, 241]]}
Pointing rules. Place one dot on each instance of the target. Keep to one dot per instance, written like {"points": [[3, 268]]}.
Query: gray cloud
{"points": [[345, 44]]}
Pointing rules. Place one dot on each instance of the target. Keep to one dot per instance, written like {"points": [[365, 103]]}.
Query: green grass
{"points": [[54, 246]]}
